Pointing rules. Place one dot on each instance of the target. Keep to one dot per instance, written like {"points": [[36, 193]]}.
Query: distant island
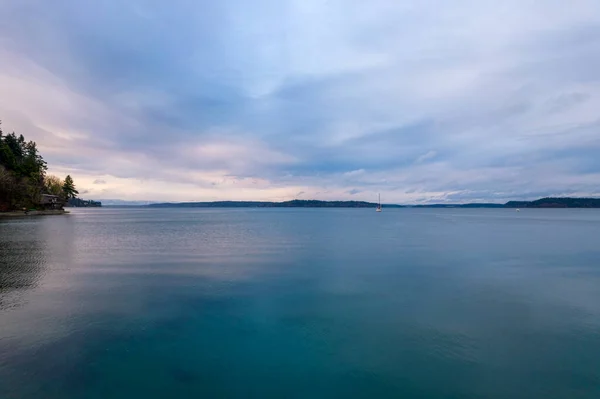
{"points": [[80, 203], [25, 187], [264, 204], [541, 203], [556, 203]]}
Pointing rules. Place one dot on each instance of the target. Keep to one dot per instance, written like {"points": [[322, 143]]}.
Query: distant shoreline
{"points": [[266, 204], [540, 203]]}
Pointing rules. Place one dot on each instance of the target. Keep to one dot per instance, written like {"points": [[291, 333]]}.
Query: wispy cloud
{"points": [[428, 155], [232, 100]]}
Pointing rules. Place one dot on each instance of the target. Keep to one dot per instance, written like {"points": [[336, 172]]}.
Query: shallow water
{"points": [[453, 303]]}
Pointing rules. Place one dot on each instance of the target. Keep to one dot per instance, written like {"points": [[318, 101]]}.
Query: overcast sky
{"points": [[422, 101]]}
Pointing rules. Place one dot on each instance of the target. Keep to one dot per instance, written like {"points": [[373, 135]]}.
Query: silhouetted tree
{"points": [[69, 188], [22, 171]]}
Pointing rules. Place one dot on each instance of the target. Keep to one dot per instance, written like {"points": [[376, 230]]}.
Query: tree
{"points": [[69, 188], [7, 157], [34, 165], [53, 185], [7, 183], [22, 172]]}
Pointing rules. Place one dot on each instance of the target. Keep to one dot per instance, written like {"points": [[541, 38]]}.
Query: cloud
{"points": [[99, 181], [565, 101], [231, 100], [353, 173], [428, 155]]}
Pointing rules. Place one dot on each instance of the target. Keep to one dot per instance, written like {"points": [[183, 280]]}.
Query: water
{"points": [[301, 303]]}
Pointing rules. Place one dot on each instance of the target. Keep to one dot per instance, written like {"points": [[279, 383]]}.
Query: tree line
{"points": [[23, 177]]}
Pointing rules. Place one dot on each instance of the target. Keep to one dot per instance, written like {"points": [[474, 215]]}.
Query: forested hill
{"points": [[23, 178], [541, 203], [262, 204], [22, 171], [556, 203]]}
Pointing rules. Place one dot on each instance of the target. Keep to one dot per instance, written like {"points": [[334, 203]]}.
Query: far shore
{"points": [[34, 213]]}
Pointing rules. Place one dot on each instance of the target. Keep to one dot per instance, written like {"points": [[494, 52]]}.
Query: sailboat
{"points": [[378, 209]]}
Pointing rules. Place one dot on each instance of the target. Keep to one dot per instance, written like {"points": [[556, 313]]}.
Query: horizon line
{"points": [[151, 202]]}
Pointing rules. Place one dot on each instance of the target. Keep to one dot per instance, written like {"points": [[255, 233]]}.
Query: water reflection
{"points": [[29, 249], [23, 256]]}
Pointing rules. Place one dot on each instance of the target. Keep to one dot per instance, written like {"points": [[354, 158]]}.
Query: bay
{"points": [[423, 303]]}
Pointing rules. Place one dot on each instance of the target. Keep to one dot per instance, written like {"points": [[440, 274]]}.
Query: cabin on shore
{"points": [[49, 201]]}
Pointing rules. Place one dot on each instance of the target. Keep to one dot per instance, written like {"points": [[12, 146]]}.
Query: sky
{"points": [[421, 101]]}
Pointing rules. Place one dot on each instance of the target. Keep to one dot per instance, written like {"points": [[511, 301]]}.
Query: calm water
{"points": [[306, 303]]}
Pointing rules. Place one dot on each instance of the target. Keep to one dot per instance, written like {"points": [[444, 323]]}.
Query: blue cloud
{"points": [[429, 102]]}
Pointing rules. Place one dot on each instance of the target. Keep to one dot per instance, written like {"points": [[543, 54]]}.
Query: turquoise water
{"points": [[301, 303]]}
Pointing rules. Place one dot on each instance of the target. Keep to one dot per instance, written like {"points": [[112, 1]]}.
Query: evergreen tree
{"points": [[69, 188], [22, 172]]}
